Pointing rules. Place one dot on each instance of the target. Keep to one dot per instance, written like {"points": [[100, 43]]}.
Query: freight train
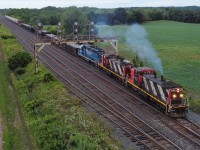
{"points": [[165, 94], [33, 29]]}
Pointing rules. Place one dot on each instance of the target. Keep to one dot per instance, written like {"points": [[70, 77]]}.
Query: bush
{"points": [[48, 78], [20, 71], [137, 62], [5, 37], [21, 59]]}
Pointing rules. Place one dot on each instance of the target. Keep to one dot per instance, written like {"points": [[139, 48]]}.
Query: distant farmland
{"points": [[178, 46]]}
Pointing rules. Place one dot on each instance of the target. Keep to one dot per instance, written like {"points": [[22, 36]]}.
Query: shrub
{"points": [[20, 71], [137, 62], [48, 78], [5, 37], [33, 107], [21, 59]]}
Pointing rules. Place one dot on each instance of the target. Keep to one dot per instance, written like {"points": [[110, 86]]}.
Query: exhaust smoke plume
{"points": [[105, 30], [137, 39]]}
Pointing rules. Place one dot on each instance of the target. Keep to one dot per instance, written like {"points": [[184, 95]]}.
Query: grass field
{"points": [[54, 119], [178, 47]]}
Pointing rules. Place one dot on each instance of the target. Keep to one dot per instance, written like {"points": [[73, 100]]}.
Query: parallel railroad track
{"points": [[146, 137], [124, 119]]}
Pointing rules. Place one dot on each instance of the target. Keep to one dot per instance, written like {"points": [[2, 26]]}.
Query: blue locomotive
{"points": [[91, 53]]}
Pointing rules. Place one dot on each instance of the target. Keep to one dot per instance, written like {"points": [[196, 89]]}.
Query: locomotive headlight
{"points": [[181, 95], [174, 96]]}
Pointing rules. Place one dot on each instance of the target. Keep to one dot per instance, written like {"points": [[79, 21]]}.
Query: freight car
{"points": [[165, 94], [51, 37], [73, 49], [17, 21], [70, 48], [42, 33], [29, 27]]}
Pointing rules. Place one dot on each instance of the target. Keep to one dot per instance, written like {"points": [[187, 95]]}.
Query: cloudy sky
{"points": [[95, 3]]}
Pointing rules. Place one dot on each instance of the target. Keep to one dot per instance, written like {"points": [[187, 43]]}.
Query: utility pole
{"points": [[37, 49], [59, 29]]}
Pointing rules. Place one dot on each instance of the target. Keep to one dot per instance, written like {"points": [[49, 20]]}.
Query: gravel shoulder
{"points": [[194, 117]]}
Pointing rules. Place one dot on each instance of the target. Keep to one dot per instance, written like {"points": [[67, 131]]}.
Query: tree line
{"points": [[84, 15], [141, 15]]}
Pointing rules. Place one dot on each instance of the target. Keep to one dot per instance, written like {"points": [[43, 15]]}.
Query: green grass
{"points": [[7, 103], [15, 132], [178, 47], [56, 119], [4, 96]]}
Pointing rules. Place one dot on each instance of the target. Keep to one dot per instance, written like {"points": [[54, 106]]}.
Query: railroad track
{"points": [[127, 115], [190, 125], [190, 134], [146, 137]]}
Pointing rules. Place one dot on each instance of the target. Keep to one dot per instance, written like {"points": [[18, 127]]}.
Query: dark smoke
{"points": [[137, 39]]}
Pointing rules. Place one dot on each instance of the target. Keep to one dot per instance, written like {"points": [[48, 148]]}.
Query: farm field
{"points": [[178, 48]]}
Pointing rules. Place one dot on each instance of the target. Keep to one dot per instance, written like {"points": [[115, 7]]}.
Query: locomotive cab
{"points": [[126, 67], [136, 74], [105, 59], [168, 95]]}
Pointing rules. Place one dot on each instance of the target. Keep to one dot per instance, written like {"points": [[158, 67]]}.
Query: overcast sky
{"points": [[95, 3]]}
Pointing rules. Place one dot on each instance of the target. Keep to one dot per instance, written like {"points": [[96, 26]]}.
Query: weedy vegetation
{"points": [[51, 118]]}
